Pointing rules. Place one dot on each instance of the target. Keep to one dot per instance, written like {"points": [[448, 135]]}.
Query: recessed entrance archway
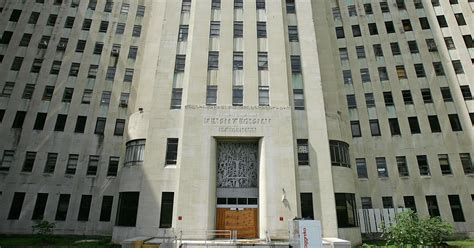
{"points": [[237, 187]]}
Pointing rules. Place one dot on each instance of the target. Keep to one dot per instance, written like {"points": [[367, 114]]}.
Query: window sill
{"points": [[384, 178], [364, 179], [470, 174], [405, 177], [426, 177], [170, 166]]}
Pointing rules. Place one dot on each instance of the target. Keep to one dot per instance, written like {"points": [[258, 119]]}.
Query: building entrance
{"points": [[237, 188]]}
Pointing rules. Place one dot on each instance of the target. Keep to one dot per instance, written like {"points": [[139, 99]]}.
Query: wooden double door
{"points": [[243, 220]]}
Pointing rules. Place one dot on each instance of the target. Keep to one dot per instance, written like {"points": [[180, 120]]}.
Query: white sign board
{"points": [[306, 234]]}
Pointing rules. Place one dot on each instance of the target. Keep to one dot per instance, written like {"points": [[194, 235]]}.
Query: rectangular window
{"points": [[28, 91], [81, 45], [382, 171], [368, 9], [214, 29], [48, 93], [16, 64], [36, 66], [423, 165], [7, 160], [51, 20], [119, 127], [457, 67], [420, 70], [6, 37], [466, 162], [29, 162], [86, 25], [298, 99], [69, 22], [25, 40], [92, 73], [410, 203], [446, 93], [389, 27], [307, 210], [213, 61], [123, 102], [33, 17], [343, 54], [414, 126], [137, 30], [93, 165], [180, 63], [110, 75], [132, 52], [365, 75], [468, 41], [16, 206], [351, 101], [361, 168], [120, 29], [8, 89], [183, 33], [63, 205], [176, 98], [290, 7], [444, 164], [237, 96], [19, 119], [55, 67], [84, 208], [460, 19], [406, 24], [211, 95], [100, 125], [347, 76], [261, 30], [293, 33], [407, 98], [140, 11], [50, 163], [263, 96], [166, 213], [105, 98], [394, 126], [373, 29], [401, 73], [106, 208], [456, 208], [356, 31], [260, 4], [387, 202], [40, 206], [355, 129], [352, 10], [238, 61], [340, 33], [432, 204], [402, 166], [383, 74], [366, 202], [98, 48], [124, 8], [455, 122], [72, 164], [303, 151], [431, 45], [424, 23], [360, 52], [388, 98], [346, 210], [127, 208], [86, 96], [113, 166], [67, 95], [434, 124], [449, 43], [466, 92], [80, 124], [438, 68], [426, 95], [413, 46], [262, 61], [374, 127], [74, 70], [171, 151], [369, 100]]}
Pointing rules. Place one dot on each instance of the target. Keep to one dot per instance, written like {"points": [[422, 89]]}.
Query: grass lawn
{"points": [[467, 243], [54, 241]]}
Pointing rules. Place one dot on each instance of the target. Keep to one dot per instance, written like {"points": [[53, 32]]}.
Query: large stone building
{"points": [[137, 117]]}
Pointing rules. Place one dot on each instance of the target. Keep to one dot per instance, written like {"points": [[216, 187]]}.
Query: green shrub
{"points": [[44, 230], [409, 229]]}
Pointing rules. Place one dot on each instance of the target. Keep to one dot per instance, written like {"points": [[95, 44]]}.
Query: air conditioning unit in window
{"points": [[115, 51], [123, 103], [43, 44], [62, 46]]}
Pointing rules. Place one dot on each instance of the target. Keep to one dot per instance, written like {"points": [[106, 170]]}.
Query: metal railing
{"points": [[229, 235]]}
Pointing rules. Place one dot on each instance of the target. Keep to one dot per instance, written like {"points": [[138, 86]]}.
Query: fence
{"points": [[371, 220]]}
